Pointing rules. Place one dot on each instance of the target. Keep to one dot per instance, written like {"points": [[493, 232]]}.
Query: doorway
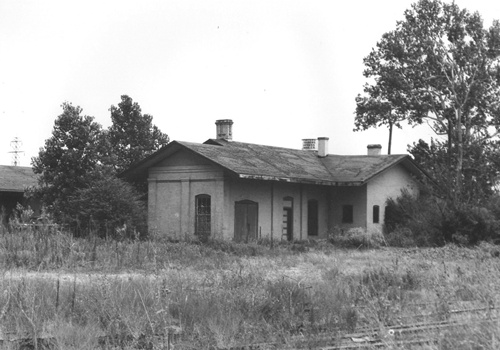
{"points": [[246, 220], [287, 228]]}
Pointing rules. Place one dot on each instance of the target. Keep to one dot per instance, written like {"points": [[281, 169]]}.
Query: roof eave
{"points": [[405, 158], [16, 190], [139, 168], [300, 180]]}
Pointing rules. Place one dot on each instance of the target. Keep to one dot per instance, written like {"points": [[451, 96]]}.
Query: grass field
{"points": [[63, 293]]}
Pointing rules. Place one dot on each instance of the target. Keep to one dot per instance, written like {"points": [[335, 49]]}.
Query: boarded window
{"points": [[376, 214], [203, 215], [347, 214], [312, 217], [287, 228]]}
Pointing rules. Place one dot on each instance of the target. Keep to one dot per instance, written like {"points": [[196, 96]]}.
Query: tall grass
{"points": [[39, 249], [97, 293]]}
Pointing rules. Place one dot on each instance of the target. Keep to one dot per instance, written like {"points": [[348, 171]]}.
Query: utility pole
{"points": [[16, 150]]}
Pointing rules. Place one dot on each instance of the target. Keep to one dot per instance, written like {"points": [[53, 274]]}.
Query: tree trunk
{"points": [[390, 137], [450, 144], [460, 151]]}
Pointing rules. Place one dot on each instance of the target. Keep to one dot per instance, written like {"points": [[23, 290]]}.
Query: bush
{"points": [[468, 224], [109, 206], [418, 217], [357, 237], [233, 248], [401, 237], [431, 221]]}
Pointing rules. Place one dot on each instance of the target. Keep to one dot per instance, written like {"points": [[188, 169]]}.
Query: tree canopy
{"points": [[76, 148], [375, 111], [79, 162], [481, 168], [442, 67], [132, 135]]}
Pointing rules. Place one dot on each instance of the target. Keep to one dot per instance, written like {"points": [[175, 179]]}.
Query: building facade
{"points": [[241, 191]]}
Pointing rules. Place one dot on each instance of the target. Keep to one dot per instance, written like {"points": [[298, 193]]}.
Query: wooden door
{"points": [[245, 221]]}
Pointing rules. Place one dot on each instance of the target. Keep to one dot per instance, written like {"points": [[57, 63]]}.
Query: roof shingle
{"points": [[16, 178], [253, 161]]}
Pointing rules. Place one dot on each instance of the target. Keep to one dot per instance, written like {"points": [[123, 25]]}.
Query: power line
{"points": [[16, 145]]}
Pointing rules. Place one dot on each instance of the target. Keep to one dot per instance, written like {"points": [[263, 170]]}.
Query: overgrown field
{"points": [[63, 293]]}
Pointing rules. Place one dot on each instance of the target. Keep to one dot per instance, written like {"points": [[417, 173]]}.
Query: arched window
{"points": [[203, 215], [312, 217], [376, 214]]}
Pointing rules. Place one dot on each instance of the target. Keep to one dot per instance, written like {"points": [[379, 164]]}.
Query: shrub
{"points": [[109, 206], [420, 217], [234, 248], [357, 238], [430, 221], [470, 224], [21, 215], [401, 237]]}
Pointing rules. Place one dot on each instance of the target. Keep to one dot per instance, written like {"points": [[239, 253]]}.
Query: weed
{"points": [[223, 294]]}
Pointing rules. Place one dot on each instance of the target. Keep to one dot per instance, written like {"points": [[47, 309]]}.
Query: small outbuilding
{"points": [[13, 182], [243, 191]]}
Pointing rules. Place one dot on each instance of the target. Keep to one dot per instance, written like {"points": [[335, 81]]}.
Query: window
{"points": [[312, 217], [376, 214], [347, 214], [287, 228], [203, 215]]}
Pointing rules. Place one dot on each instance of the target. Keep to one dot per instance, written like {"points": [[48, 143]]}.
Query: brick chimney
{"points": [[322, 146], [374, 150], [309, 144], [224, 129]]}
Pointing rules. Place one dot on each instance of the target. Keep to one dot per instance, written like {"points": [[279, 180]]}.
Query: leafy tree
{"points": [[372, 111], [442, 67], [481, 169], [132, 134], [75, 149], [475, 216], [108, 206], [78, 165]]}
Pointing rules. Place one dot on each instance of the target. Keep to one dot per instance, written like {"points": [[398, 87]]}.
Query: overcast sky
{"points": [[281, 70]]}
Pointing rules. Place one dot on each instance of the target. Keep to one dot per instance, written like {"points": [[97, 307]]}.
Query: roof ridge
{"points": [[267, 161], [252, 160], [292, 149], [259, 145]]}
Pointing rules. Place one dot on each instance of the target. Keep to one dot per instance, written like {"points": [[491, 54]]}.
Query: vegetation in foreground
{"points": [[95, 293]]}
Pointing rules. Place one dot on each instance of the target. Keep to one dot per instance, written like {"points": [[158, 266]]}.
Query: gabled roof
{"points": [[252, 161], [16, 178]]}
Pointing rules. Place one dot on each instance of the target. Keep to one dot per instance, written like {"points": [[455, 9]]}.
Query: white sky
{"points": [[282, 70]]}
